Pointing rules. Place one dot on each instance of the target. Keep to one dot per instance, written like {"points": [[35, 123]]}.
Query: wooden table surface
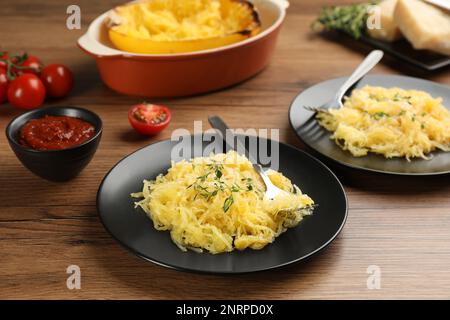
{"points": [[401, 226]]}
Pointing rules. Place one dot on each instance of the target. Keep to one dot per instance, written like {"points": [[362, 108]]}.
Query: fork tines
{"points": [[315, 109]]}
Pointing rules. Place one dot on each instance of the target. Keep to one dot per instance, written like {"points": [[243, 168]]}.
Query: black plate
{"points": [[403, 50], [132, 229], [312, 134]]}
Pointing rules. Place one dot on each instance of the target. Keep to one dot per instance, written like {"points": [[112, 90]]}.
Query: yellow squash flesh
{"points": [[173, 26]]}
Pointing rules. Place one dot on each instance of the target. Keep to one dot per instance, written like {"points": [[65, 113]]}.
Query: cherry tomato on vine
{"points": [[26, 91], [3, 85], [149, 119], [3, 56], [57, 79], [31, 64]]}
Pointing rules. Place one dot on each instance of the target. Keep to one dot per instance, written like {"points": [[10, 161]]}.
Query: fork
{"points": [[368, 64], [272, 191]]}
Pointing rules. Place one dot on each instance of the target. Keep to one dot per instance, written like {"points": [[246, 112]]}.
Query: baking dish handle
{"points": [[284, 3], [86, 43]]}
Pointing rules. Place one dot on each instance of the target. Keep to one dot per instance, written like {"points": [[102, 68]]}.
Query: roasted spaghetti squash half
{"points": [[173, 26]]}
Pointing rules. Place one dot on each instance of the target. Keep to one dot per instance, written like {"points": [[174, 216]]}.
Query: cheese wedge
{"points": [[424, 25], [381, 23]]}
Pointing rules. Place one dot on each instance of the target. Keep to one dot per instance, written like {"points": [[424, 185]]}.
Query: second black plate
{"points": [[312, 134]]}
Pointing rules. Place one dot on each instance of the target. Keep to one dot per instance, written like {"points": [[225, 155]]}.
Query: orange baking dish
{"points": [[184, 74]]}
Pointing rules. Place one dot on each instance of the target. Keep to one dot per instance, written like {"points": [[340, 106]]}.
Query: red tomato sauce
{"points": [[55, 133]]}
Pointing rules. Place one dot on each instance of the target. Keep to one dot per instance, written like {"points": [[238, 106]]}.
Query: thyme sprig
{"points": [[215, 170], [398, 97], [379, 115], [351, 19]]}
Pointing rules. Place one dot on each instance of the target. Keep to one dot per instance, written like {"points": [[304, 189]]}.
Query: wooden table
{"points": [[402, 226]]}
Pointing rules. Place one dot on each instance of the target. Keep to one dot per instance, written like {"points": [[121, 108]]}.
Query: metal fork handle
{"points": [[217, 123], [368, 64]]}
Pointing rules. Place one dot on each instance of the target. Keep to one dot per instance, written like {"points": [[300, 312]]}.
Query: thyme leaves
{"points": [[351, 19], [216, 184]]}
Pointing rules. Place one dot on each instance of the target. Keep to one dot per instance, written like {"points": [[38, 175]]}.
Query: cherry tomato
{"points": [[26, 91], [32, 65], [149, 119], [3, 85], [58, 80], [3, 56]]}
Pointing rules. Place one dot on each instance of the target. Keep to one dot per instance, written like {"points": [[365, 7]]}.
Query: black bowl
{"points": [[55, 165]]}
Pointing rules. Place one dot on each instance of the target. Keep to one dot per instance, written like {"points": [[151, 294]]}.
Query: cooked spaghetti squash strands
{"points": [[391, 122], [217, 204], [173, 26]]}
